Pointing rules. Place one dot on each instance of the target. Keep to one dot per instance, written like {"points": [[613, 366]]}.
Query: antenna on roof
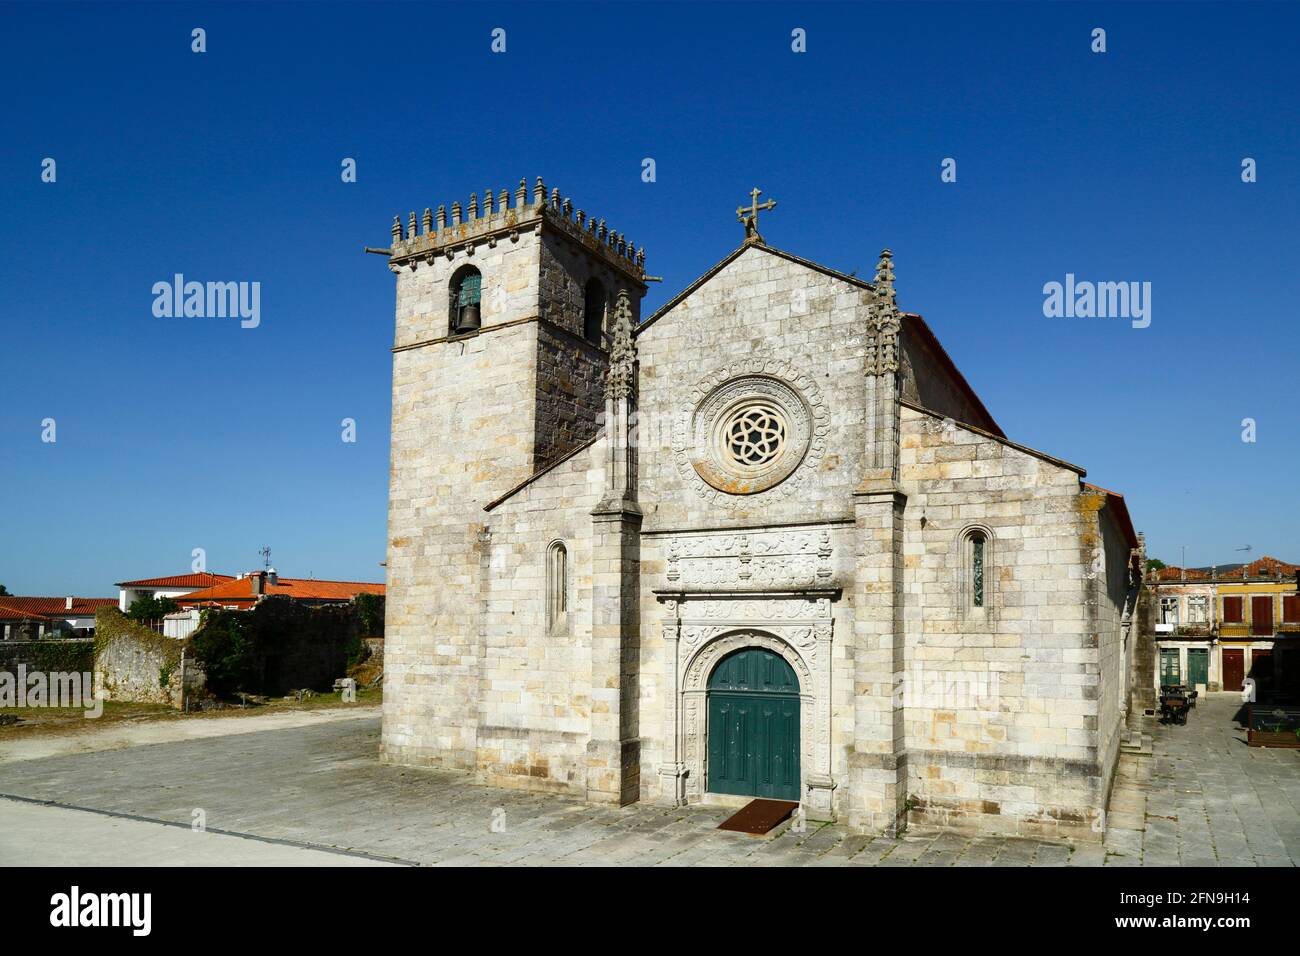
{"points": [[265, 552]]}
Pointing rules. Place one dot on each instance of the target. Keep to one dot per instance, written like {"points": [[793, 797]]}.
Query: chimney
{"points": [[259, 582], [272, 577], [67, 604]]}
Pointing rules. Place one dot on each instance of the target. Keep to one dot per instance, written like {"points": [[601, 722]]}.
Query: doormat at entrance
{"points": [[759, 816]]}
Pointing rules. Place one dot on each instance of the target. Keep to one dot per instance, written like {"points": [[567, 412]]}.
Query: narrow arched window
{"points": [[557, 584], [466, 299], [974, 555], [978, 547], [593, 311]]}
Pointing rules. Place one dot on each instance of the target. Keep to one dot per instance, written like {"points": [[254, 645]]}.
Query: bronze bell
{"points": [[468, 319]]}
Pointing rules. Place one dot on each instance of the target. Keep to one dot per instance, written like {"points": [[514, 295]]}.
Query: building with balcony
{"points": [[1216, 626]]}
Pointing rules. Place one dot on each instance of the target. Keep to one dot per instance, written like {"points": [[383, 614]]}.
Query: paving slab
{"points": [[318, 787]]}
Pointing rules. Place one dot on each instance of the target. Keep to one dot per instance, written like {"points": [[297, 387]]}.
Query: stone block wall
{"points": [[570, 399], [136, 664], [463, 421], [1004, 703], [759, 309], [534, 690]]}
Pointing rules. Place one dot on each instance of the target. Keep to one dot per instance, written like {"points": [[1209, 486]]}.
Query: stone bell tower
{"points": [[504, 312]]}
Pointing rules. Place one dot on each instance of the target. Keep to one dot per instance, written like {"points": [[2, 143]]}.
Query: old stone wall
{"points": [[570, 397], [474, 416], [136, 664], [1110, 576], [1001, 702], [761, 314], [534, 689], [63, 654]]}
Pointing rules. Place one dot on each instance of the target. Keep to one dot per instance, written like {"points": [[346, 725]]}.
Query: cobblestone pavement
{"points": [[1202, 798]]}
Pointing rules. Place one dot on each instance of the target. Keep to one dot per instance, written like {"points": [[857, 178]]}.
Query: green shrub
{"points": [[281, 644], [370, 612], [226, 651], [151, 609], [63, 655]]}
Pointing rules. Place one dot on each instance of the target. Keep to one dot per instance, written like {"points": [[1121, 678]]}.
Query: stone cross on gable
{"points": [[749, 214]]}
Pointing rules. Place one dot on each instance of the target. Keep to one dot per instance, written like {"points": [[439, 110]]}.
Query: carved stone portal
{"points": [[700, 629]]}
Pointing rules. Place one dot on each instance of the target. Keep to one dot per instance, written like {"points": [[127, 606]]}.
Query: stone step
{"points": [[1137, 743]]}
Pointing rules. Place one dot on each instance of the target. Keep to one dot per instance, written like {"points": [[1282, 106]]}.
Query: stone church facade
{"points": [[766, 542]]}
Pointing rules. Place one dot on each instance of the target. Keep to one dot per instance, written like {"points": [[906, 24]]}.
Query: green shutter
{"points": [[1169, 667]]}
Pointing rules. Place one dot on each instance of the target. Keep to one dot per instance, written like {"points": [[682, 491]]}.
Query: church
{"points": [[766, 542]]}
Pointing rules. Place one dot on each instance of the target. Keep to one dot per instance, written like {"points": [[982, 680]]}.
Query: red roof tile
{"points": [[1176, 574], [304, 589], [1265, 567], [202, 579], [54, 607]]}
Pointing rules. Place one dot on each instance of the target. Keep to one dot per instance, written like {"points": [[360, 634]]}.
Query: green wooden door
{"points": [[1170, 673], [1198, 666], [754, 726]]}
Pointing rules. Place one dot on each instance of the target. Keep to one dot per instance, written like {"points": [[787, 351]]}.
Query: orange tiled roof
{"points": [[1176, 574], [53, 606], [1265, 567], [303, 589], [202, 579], [8, 613]]}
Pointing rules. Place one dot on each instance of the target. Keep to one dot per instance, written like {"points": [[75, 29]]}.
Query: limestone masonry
{"points": [[767, 542]]}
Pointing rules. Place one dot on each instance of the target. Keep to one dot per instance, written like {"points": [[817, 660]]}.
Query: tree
{"points": [[1155, 564], [4, 591], [151, 608]]}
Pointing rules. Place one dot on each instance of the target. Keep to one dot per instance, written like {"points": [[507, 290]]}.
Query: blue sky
{"points": [[174, 433]]}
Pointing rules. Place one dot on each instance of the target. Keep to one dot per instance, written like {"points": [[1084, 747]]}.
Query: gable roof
{"points": [[549, 466], [304, 589], [52, 607], [1262, 567], [732, 257], [202, 579], [999, 438], [1116, 500], [913, 321]]}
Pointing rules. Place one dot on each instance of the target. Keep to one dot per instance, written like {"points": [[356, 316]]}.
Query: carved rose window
{"points": [[755, 434], [750, 433]]}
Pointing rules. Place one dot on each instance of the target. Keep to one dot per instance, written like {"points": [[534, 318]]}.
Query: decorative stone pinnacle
{"points": [[397, 229], [885, 275], [521, 194], [487, 202], [473, 205], [539, 192], [411, 229], [442, 217], [622, 351], [503, 200], [885, 321], [427, 220]]}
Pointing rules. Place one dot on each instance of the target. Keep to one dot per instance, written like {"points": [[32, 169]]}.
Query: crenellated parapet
{"points": [[504, 218]]}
